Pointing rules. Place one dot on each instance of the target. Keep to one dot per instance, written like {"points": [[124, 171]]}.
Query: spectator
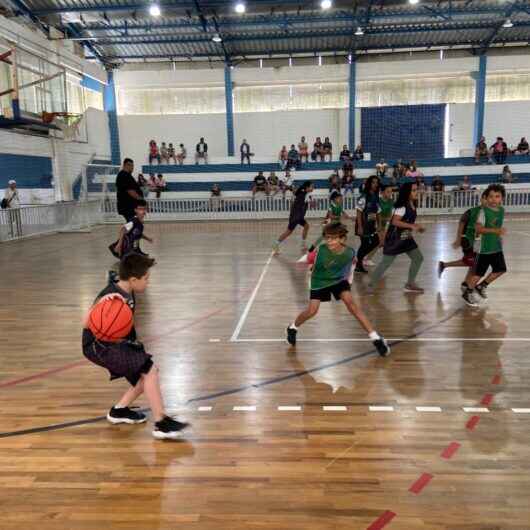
{"points": [[216, 190], [171, 154], [465, 185], [507, 175], [347, 183], [157, 184], [499, 150], [420, 182], [144, 185], [201, 151], [303, 150], [334, 182], [215, 197], [381, 169], [273, 184], [127, 190], [182, 154], [522, 148], [398, 172], [282, 157], [345, 154], [164, 155], [244, 149], [293, 159], [286, 183], [260, 184], [154, 154], [437, 184], [413, 171], [318, 149], [11, 202], [347, 166], [327, 149], [481, 151], [358, 154]]}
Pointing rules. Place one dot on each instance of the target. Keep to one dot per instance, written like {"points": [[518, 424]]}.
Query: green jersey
{"points": [[386, 206], [335, 212], [470, 219], [331, 268], [490, 218]]}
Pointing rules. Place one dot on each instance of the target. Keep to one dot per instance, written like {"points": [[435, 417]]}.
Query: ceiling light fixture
{"points": [[154, 10], [414, 2], [359, 31], [240, 7], [217, 38], [325, 4], [507, 23]]}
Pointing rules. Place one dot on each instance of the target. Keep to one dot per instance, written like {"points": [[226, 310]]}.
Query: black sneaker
{"points": [[112, 247], [291, 335], [168, 429], [481, 290], [360, 270], [125, 415], [468, 298], [113, 277], [382, 347], [141, 253], [464, 287], [441, 268]]}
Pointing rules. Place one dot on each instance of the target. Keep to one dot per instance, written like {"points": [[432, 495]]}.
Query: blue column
{"points": [[229, 110], [480, 97], [351, 107], [109, 105]]}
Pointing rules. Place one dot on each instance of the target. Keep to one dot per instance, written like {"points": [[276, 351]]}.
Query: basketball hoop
{"points": [[69, 124]]}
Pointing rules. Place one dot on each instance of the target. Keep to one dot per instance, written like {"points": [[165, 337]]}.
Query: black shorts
{"points": [[485, 261], [122, 359], [295, 221], [324, 295]]}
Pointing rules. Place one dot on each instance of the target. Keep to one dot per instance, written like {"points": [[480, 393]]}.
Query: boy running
{"points": [[332, 266]]}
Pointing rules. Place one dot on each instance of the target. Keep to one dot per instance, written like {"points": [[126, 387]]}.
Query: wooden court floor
{"points": [[322, 438]]}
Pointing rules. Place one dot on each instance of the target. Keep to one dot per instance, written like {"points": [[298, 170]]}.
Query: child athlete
{"points": [[332, 263]]}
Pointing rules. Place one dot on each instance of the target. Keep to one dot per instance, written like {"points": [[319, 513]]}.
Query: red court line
{"points": [[382, 520], [486, 400], [450, 450], [42, 375], [418, 486], [472, 423], [496, 380]]}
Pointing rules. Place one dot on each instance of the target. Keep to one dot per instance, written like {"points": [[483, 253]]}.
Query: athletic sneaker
{"points": [[441, 268], [141, 253], [291, 335], [275, 248], [413, 288], [382, 347], [464, 287], [125, 415], [481, 289], [303, 259], [469, 299], [360, 269], [168, 429], [113, 277], [113, 251]]}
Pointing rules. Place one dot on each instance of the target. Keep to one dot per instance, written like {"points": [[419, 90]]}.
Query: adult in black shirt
{"points": [[128, 191], [260, 184]]}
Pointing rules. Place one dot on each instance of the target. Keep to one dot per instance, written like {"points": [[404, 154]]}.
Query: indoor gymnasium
{"points": [[264, 264]]}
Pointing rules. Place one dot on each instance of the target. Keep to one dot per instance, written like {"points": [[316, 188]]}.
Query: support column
{"points": [[109, 105], [352, 88], [229, 110], [480, 97]]}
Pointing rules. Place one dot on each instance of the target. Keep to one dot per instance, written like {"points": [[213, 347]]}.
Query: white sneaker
{"points": [[303, 259]]}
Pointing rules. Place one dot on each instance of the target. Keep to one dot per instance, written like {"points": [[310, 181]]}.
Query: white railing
{"points": [[227, 208], [16, 223]]}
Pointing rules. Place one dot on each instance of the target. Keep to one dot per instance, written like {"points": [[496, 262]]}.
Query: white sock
{"points": [[374, 335], [292, 326], [119, 407]]}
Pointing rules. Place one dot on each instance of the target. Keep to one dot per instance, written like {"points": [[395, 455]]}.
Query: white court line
{"points": [[243, 317], [377, 408], [214, 340], [334, 408], [475, 409], [245, 408], [429, 409], [287, 408], [521, 411], [401, 339], [204, 409]]}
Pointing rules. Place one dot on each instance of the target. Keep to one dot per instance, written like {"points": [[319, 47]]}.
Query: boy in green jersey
{"points": [[465, 237], [489, 232], [386, 203], [332, 267]]}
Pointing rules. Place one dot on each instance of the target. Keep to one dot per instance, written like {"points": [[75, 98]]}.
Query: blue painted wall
{"points": [[28, 171], [409, 132]]}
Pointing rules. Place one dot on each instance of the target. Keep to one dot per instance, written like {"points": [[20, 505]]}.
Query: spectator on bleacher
{"points": [[215, 197], [303, 150], [164, 156], [11, 197], [318, 150], [171, 155], [293, 158], [358, 154], [347, 167], [420, 182], [334, 182], [182, 154], [465, 185], [201, 151], [413, 171], [157, 184], [327, 149], [507, 175], [437, 184], [154, 153], [11, 202], [282, 157], [398, 172], [144, 185], [482, 151], [128, 191], [272, 182], [286, 183], [260, 184], [499, 150], [347, 183], [522, 148], [345, 154], [244, 149], [381, 168]]}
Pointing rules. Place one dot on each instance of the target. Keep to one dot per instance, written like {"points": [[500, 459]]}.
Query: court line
{"points": [[246, 311], [401, 339], [42, 375]]}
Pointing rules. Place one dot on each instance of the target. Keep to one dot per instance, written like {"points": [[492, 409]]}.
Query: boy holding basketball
{"points": [[125, 356]]}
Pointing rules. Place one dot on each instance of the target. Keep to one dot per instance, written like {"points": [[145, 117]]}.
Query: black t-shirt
{"points": [[260, 180], [299, 206], [124, 182]]}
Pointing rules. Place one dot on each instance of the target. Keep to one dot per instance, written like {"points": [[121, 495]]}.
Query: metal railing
{"points": [[278, 207], [16, 223]]}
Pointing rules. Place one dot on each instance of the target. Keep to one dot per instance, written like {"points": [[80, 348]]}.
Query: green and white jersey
{"points": [[470, 218], [489, 218], [335, 211], [331, 268]]}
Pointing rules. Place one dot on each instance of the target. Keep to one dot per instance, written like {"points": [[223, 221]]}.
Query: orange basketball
{"points": [[110, 320]]}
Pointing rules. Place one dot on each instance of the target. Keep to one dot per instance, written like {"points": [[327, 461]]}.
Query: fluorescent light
{"points": [[154, 10], [240, 7], [414, 2], [359, 31], [217, 38], [508, 24], [325, 4]]}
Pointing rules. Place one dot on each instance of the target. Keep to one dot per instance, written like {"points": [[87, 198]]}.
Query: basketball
{"points": [[110, 320]]}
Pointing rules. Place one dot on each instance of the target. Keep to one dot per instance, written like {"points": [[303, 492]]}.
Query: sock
{"points": [[278, 242], [483, 283], [118, 407], [374, 335], [292, 326]]}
